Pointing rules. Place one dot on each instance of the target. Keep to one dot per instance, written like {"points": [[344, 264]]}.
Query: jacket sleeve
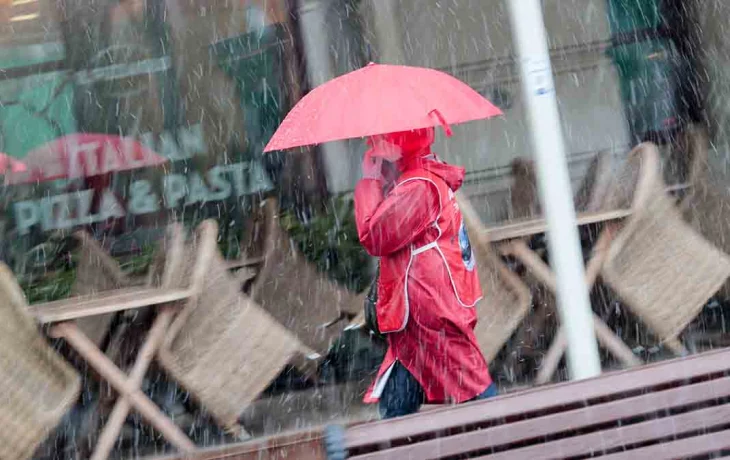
{"points": [[388, 224]]}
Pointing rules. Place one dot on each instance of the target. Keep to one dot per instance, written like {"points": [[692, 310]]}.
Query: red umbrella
{"points": [[83, 155], [9, 164], [379, 99]]}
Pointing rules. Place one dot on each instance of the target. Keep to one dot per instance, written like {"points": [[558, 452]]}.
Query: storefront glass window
{"points": [[202, 84]]}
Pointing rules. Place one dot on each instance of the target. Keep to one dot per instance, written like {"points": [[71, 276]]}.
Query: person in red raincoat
{"points": [[428, 284]]}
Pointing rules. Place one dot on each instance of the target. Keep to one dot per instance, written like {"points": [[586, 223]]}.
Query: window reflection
{"points": [[200, 83]]}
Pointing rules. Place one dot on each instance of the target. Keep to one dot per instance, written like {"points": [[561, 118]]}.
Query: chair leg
{"points": [[605, 336], [609, 340], [239, 432], [552, 359], [531, 261], [306, 362], [121, 383], [676, 346], [122, 407], [614, 344]]}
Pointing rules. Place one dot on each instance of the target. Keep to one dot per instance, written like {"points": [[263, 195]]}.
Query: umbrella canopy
{"points": [[9, 164], [83, 155], [379, 99]]}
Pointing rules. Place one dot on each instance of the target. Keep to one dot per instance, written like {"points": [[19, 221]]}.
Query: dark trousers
{"points": [[403, 395]]}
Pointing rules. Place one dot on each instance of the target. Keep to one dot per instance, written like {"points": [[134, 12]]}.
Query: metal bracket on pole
{"points": [[528, 31]]}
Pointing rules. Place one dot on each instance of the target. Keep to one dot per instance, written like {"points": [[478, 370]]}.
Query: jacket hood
{"points": [[412, 142], [452, 175]]}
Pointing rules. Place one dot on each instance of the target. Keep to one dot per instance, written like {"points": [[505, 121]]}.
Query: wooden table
{"points": [[104, 302], [61, 315], [510, 239], [531, 227]]}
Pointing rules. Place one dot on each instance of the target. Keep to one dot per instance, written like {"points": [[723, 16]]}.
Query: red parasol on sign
{"points": [[82, 156], [9, 164]]}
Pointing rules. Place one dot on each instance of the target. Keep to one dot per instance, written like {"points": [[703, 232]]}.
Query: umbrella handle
{"points": [[442, 121]]}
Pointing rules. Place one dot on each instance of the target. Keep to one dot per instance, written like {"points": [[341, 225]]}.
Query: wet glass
{"points": [[204, 84]]}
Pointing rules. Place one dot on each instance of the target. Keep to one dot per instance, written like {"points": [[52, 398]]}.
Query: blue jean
{"points": [[403, 395]]}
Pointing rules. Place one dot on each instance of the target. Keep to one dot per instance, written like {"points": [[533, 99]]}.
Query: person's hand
{"points": [[372, 166]]}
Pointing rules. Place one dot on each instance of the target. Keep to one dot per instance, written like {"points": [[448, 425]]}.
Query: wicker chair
{"points": [[96, 271], [355, 311], [507, 299], [223, 347], [523, 192], [38, 386], [129, 345], [659, 266], [166, 271], [589, 197], [167, 268], [707, 205], [596, 183], [295, 293], [359, 320]]}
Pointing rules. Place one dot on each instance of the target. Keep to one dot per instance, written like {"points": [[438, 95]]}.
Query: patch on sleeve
{"points": [[467, 255]]}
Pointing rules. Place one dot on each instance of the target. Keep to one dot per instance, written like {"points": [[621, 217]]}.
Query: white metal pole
{"points": [[528, 30]]}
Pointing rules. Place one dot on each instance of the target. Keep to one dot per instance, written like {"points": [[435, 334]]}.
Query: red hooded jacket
{"points": [[428, 282]]}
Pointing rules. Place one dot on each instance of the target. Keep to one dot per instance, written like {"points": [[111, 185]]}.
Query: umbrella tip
{"points": [[371, 63]]}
